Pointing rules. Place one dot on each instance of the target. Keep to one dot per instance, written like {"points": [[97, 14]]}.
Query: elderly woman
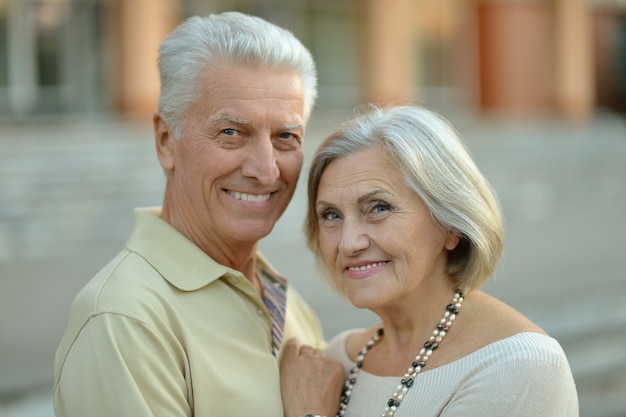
{"points": [[410, 229]]}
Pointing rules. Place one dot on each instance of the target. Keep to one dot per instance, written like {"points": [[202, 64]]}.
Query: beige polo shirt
{"points": [[163, 330]]}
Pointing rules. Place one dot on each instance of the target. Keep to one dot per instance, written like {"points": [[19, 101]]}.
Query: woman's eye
{"points": [[229, 132], [380, 207], [328, 215]]}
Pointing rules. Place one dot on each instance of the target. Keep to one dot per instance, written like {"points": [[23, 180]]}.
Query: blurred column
{"points": [[609, 50], [389, 51], [574, 59], [22, 60], [515, 39], [141, 25]]}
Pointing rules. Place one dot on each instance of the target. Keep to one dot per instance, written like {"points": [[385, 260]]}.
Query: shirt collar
{"points": [[176, 258]]}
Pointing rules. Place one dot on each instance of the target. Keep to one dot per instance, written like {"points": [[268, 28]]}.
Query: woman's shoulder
{"points": [[527, 346], [482, 321], [494, 319]]}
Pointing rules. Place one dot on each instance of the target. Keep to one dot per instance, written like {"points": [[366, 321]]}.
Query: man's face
{"points": [[237, 163]]}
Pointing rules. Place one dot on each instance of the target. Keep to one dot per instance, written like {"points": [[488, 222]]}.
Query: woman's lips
{"points": [[364, 269]]}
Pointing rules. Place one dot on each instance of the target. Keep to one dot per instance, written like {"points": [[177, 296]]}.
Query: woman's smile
{"points": [[364, 269]]}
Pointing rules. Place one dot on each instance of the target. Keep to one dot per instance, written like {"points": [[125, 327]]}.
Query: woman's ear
{"points": [[452, 240], [164, 140]]}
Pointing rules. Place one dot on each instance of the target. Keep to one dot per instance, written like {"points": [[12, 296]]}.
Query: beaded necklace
{"points": [[416, 366]]}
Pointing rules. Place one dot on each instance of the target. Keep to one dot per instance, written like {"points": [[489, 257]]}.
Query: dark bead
{"points": [[393, 402], [439, 326], [434, 346], [352, 380], [450, 307], [346, 400], [455, 310], [409, 383], [427, 345], [308, 415], [358, 364], [422, 364], [403, 381], [413, 364], [380, 331]]}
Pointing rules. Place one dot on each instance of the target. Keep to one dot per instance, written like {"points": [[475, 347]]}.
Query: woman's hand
{"points": [[311, 383]]}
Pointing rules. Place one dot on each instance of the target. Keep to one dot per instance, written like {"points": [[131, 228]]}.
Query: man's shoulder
{"points": [[124, 285], [123, 291]]}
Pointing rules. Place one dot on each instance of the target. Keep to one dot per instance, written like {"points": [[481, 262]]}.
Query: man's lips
{"points": [[255, 198]]}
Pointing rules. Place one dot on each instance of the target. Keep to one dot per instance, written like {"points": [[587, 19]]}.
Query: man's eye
{"points": [[231, 138], [287, 141]]}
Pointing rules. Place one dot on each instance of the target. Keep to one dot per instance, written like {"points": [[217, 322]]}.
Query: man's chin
{"points": [[254, 233]]}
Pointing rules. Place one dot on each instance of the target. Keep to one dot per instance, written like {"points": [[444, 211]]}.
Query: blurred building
{"points": [[506, 57], [67, 189]]}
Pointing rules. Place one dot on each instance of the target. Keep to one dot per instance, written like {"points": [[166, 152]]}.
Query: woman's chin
{"points": [[363, 300]]}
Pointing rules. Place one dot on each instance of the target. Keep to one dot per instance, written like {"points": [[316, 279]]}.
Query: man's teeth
{"points": [[249, 197], [364, 267]]}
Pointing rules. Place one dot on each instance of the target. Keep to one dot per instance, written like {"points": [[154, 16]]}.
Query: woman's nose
{"points": [[353, 238]]}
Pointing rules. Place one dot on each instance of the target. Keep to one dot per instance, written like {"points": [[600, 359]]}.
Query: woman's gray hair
{"points": [[199, 43], [437, 166]]}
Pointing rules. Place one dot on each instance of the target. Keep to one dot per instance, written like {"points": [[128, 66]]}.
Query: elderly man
{"points": [[188, 319]]}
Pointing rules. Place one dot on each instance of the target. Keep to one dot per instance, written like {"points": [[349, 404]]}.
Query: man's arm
{"points": [[119, 366]]}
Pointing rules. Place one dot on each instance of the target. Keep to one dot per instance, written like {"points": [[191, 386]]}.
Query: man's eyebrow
{"points": [[293, 126], [231, 119], [248, 123]]}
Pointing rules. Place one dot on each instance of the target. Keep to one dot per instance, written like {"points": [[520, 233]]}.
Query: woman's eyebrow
{"points": [[371, 194], [359, 200]]}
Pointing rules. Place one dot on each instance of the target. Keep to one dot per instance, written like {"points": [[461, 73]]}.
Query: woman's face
{"points": [[376, 234]]}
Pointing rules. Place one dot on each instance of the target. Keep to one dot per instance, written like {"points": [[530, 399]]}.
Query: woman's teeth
{"points": [[365, 267]]}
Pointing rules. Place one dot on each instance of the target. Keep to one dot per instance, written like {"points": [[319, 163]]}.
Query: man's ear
{"points": [[164, 140]]}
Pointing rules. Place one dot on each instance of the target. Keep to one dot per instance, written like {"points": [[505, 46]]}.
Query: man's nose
{"points": [[261, 163]]}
